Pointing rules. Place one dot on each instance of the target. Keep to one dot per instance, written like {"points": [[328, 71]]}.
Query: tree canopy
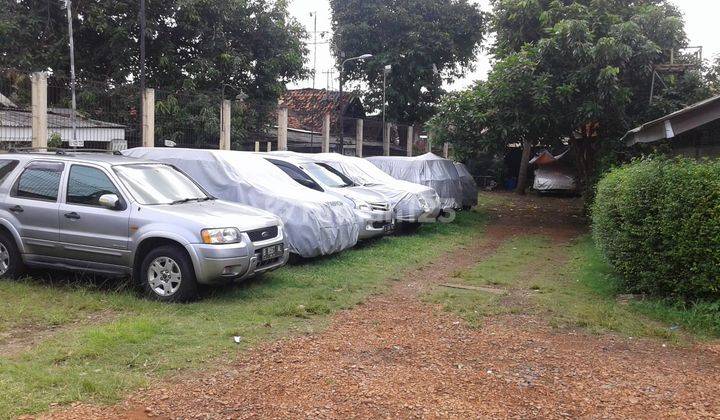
{"points": [[594, 60], [426, 42], [253, 45]]}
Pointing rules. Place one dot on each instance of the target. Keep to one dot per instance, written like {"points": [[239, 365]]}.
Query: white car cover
{"points": [[429, 170], [315, 223], [470, 188], [553, 173], [412, 202]]}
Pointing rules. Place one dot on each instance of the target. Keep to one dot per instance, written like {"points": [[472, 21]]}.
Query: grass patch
{"points": [[148, 340], [582, 293]]}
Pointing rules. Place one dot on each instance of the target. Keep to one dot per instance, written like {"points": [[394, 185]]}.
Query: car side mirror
{"points": [[110, 201]]}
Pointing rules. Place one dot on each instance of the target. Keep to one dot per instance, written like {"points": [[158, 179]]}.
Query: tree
{"points": [[596, 59], [426, 42], [253, 45]]}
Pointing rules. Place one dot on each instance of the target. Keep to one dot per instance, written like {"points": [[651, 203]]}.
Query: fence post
{"points": [[359, 127], [257, 146], [446, 150], [148, 104], [326, 134], [269, 146], [282, 131], [225, 115], [410, 140], [39, 110], [386, 140]]}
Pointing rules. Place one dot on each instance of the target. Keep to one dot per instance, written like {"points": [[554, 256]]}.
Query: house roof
{"points": [[678, 122], [23, 119], [307, 107]]}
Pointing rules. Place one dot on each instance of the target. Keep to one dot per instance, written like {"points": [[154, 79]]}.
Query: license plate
{"points": [[272, 252]]}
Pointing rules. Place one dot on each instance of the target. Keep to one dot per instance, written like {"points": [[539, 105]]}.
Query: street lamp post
{"points": [[386, 71], [340, 111]]}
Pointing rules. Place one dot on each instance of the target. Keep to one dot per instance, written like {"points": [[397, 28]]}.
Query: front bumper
{"points": [[217, 264], [375, 223]]}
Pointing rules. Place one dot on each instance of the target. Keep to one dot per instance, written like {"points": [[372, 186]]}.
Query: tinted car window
{"points": [[39, 181], [299, 176], [7, 166], [87, 184]]}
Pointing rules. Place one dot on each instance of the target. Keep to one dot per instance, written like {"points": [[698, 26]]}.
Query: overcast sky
{"points": [[701, 18]]}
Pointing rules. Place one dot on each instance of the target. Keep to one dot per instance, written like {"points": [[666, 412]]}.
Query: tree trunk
{"points": [[524, 164]]}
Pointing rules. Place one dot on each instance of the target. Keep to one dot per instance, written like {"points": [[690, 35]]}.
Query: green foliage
{"points": [[55, 141], [412, 36], [658, 223]]}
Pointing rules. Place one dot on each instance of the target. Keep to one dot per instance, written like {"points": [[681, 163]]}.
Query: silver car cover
{"points": [[412, 202], [315, 223], [429, 170]]}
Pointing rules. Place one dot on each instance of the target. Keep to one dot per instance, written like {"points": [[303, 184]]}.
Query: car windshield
{"points": [[324, 176], [152, 183]]}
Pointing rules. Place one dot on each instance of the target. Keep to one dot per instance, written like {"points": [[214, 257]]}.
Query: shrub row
{"points": [[657, 221]]}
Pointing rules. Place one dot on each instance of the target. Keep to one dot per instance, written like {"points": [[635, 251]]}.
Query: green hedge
{"points": [[657, 221]]}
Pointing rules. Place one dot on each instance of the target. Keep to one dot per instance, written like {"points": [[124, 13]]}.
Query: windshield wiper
{"points": [[185, 200]]}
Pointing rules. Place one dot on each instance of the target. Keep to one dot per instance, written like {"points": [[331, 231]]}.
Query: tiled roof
{"points": [[307, 107]]}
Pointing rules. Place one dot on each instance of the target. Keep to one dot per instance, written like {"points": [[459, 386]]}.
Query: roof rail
{"points": [[60, 151]]}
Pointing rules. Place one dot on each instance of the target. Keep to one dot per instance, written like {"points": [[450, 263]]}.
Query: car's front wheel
{"points": [[166, 274], [11, 264]]}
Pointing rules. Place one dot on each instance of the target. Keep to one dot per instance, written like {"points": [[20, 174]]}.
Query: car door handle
{"points": [[72, 215], [16, 209]]}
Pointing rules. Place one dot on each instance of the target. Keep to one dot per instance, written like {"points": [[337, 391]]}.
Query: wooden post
{"points": [[148, 114], [257, 146], [410, 140], [446, 150], [39, 110], [359, 127], [386, 140], [269, 146], [282, 130], [225, 125], [326, 134]]}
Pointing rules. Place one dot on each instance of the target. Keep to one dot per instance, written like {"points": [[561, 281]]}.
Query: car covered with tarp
{"points": [[315, 223], [429, 170], [554, 174], [412, 203], [469, 186]]}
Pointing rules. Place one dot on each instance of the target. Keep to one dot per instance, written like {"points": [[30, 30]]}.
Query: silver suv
{"points": [[115, 215]]}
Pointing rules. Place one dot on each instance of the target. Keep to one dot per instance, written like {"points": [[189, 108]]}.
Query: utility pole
{"points": [[142, 64], [315, 44], [386, 71], [73, 141], [340, 110]]}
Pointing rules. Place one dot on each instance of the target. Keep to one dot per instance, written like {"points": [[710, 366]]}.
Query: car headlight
{"points": [[360, 204], [423, 203], [220, 236]]}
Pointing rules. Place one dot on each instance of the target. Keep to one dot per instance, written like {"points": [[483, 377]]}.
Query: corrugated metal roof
{"points": [[19, 118], [678, 122]]}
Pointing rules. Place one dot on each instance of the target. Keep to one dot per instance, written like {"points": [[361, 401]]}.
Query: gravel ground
{"points": [[398, 357]]}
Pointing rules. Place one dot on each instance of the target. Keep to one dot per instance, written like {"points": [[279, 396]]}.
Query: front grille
{"points": [[380, 206], [262, 264], [379, 225], [263, 234]]}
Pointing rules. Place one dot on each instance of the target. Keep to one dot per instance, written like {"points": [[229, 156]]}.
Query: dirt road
{"points": [[397, 356]]}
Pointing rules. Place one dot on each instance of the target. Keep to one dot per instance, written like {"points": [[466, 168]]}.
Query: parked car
{"points": [[315, 223], [114, 215], [413, 203], [429, 170], [469, 186], [373, 210]]}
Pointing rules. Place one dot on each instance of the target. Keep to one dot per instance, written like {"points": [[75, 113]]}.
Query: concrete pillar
{"points": [[257, 146], [446, 150], [269, 146], [359, 127], [410, 140], [225, 119], [39, 110], [386, 139], [148, 121], [326, 134], [282, 128]]}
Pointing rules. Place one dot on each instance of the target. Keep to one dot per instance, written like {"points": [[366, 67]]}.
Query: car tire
{"points": [[166, 274], [11, 263]]}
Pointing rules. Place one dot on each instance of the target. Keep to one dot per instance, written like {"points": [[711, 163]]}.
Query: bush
{"points": [[657, 221]]}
